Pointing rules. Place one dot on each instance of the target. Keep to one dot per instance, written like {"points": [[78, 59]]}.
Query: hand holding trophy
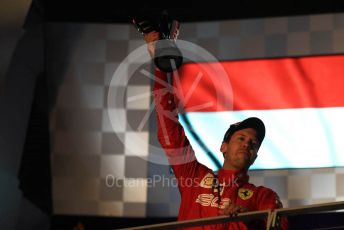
{"points": [[151, 38], [161, 34]]}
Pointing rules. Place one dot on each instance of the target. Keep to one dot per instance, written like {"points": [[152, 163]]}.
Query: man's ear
{"points": [[223, 147]]}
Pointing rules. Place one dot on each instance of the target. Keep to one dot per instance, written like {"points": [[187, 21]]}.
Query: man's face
{"points": [[241, 150]]}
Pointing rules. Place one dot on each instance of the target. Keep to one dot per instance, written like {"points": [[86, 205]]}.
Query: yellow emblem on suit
{"points": [[245, 193], [208, 181]]}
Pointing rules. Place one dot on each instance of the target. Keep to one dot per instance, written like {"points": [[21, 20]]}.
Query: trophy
{"points": [[167, 55]]}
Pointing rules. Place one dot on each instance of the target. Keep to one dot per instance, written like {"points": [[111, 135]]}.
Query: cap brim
{"points": [[256, 124]]}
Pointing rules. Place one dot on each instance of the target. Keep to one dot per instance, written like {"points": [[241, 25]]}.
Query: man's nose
{"points": [[246, 144]]}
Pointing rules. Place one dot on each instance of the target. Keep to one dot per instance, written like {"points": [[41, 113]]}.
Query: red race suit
{"points": [[204, 193]]}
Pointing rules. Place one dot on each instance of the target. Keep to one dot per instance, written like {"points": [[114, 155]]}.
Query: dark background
{"points": [[185, 11]]}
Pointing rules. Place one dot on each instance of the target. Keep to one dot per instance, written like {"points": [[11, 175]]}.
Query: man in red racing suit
{"points": [[204, 193]]}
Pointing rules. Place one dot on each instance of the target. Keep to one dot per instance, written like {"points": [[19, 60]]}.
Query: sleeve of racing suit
{"points": [[268, 199], [171, 134]]}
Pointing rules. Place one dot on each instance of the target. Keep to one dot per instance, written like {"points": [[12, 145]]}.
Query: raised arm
{"points": [[171, 134]]}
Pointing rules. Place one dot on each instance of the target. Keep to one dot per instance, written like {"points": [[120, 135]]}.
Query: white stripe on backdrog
{"points": [[295, 138]]}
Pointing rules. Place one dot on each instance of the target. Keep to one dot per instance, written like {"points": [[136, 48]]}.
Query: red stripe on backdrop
{"points": [[268, 84]]}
